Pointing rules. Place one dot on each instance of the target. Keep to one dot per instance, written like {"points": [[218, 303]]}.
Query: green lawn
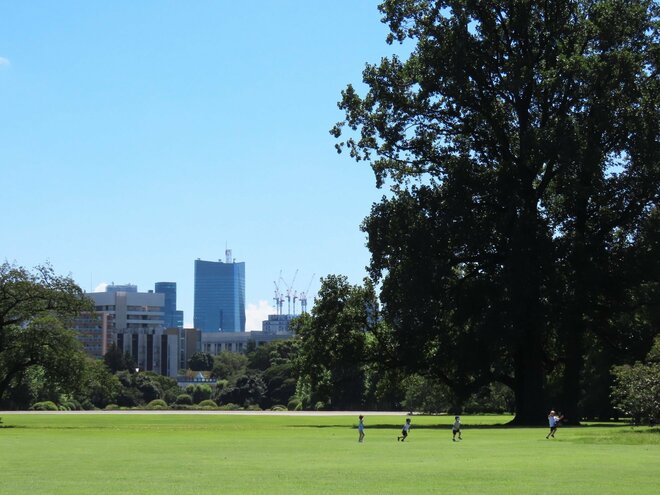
{"points": [[229, 454]]}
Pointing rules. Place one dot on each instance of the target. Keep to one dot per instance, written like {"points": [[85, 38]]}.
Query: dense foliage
{"points": [[636, 388], [201, 361], [518, 243], [38, 354]]}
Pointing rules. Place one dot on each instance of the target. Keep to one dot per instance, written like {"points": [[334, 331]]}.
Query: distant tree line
{"points": [[344, 355]]}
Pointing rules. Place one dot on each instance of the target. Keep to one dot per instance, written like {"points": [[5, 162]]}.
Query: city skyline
{"points": [[138, 137]]}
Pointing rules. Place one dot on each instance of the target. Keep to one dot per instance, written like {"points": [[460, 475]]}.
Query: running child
{"points": [[404, 431], [361, 428], [553, 423], [456, 429]]}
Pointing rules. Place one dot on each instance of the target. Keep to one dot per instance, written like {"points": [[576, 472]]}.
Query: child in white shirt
{"points": [[456, 429], [404, 431]]}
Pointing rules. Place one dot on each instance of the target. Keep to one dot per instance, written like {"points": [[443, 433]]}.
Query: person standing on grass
{"points": [[553, 422], [361, 428], [456, 429], [404, 431]]}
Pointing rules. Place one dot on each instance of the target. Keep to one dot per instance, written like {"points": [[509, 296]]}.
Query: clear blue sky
{"points": [[137, 136]]}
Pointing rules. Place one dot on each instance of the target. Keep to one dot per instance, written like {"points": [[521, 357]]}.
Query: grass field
{"points": [[230, 454]]}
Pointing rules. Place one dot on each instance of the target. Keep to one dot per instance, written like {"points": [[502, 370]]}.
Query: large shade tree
{"points": [[35, 310], [519, 141]]}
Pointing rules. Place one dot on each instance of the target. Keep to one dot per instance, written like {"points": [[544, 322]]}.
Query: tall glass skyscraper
{"points": [[219, 296], [171, 317]]}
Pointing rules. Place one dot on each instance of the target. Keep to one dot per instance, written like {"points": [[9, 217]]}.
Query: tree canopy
{"points": [[35, 310], [333, 342], [519, 141]]}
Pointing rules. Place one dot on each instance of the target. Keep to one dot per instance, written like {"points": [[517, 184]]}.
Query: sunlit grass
{"points": [[200, 454]]}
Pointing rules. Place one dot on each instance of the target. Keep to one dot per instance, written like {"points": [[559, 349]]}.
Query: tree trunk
{"points": [[529, 382], [580, 280], [527, 320], [571, 386]]}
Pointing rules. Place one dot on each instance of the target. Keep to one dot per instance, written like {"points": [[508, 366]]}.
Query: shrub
{"points": [[200, 392], [112, 407], [87, 405], [184, 400], [44, 406], [208, 403], [182, 407], [129, 397], [73, 405], [157, 404], [294, 405], [229, 407], [278, 407], [636, 391]]}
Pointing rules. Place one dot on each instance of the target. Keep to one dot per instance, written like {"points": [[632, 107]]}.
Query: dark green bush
{"points": [[157, 404], [199, 392], [44, 406], [208, 403], [184, 400]]}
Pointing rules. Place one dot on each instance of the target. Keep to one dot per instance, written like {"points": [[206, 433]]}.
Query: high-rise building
{"points": [[220, 295], [171, 317], [178, 318]]}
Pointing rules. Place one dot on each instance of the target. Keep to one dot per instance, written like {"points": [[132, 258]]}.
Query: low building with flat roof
{"points": [[216, 342]]}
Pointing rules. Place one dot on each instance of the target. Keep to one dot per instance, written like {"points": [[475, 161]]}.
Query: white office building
{"points": [[137, 327]]}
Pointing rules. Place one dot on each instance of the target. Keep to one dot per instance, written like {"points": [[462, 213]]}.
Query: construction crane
{"points": [[279, 299], [290, 291], [303, 296]]}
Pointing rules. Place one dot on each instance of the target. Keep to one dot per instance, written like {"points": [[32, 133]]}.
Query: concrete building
{"points": [[219, 295], [93, 331], [215, 343], [135, 324], [190, 342], [277, 324]]}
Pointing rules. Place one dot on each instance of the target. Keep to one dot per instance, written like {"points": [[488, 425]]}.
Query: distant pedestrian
{"points": [[553, 423], [456, 429], [404, 431], [361, 428]]}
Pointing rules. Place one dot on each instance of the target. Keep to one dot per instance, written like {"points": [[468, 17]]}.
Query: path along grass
{"points": [[210, 454]]}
